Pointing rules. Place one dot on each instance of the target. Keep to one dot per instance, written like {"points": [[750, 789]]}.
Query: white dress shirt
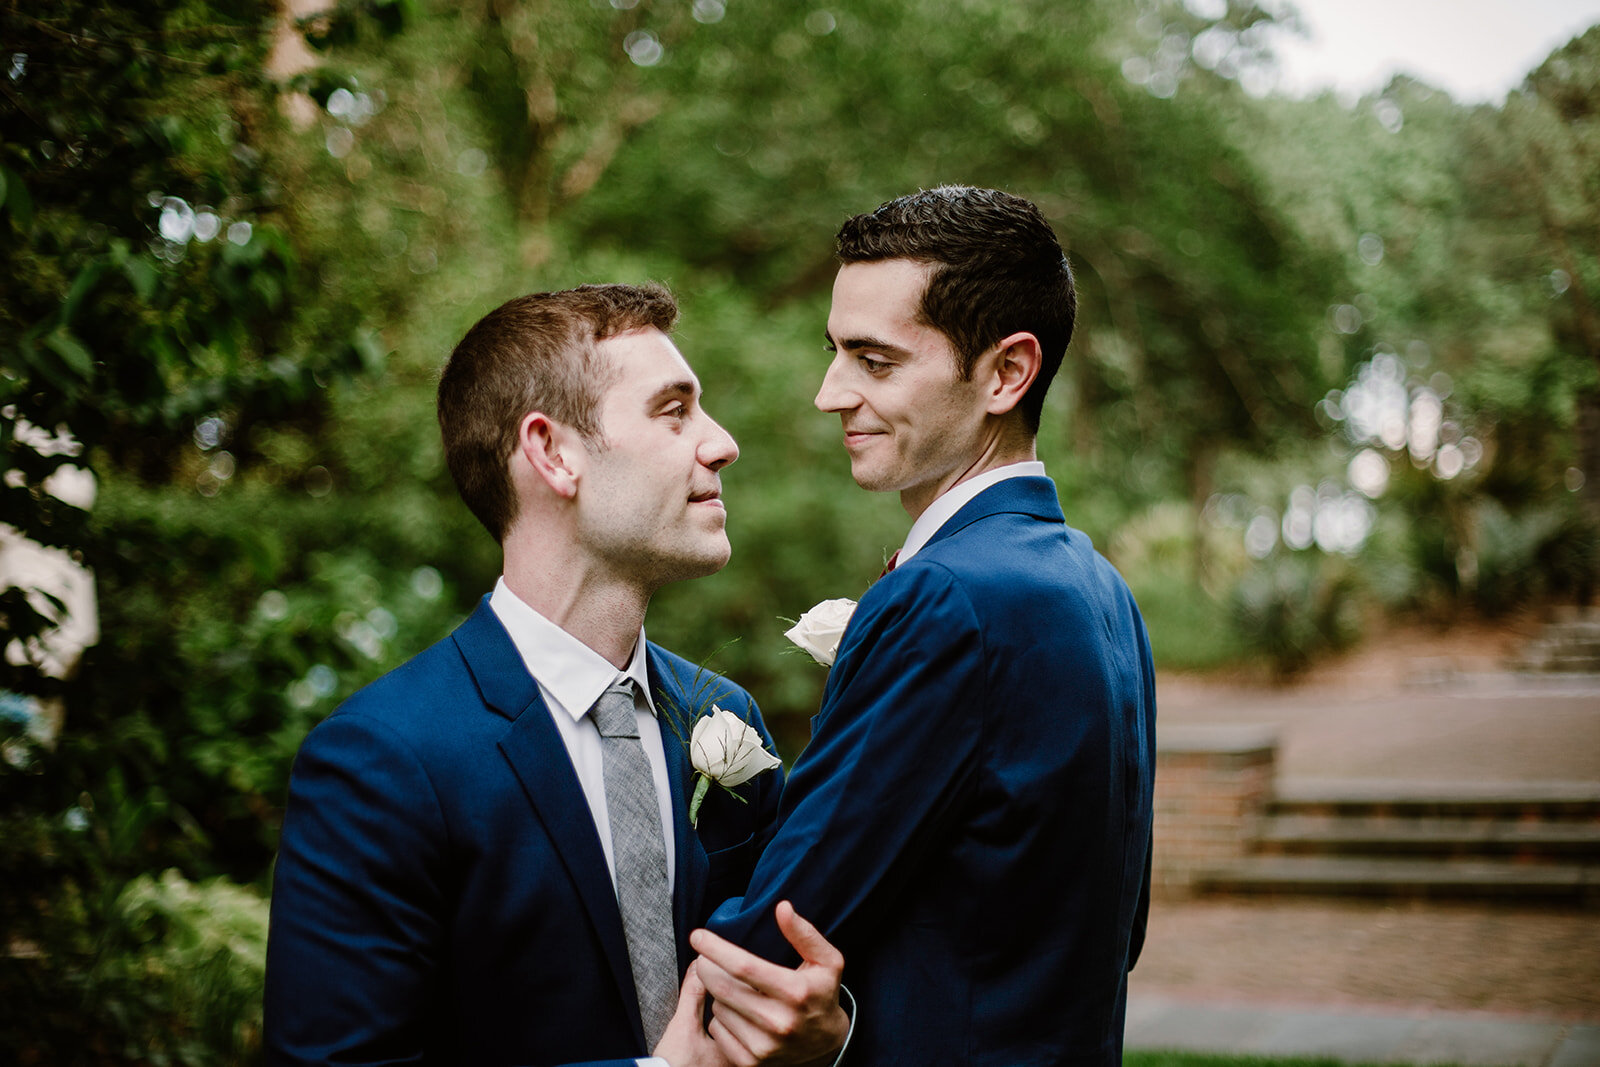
{"points": [[571, 677], [944, 507]]}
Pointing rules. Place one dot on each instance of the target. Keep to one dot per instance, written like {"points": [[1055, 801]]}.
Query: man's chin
{"points": [[873, 481], [703, 565]]}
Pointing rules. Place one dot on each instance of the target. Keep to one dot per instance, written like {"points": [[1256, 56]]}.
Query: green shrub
{"points": [[1542, 552], [191, 958], [1293, 607], [159, 971]]}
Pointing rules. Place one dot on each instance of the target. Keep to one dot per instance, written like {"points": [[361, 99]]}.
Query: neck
{"points": [[1001, 450], [598, 609]]}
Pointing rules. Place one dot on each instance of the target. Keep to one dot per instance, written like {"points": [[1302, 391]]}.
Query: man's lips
{"points": [[714, 497], [856, 437]]}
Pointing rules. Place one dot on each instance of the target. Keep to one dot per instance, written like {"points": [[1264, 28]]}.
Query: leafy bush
{"points": [[158, 971], [192, 955], [1543, 552], [1189, 626], [1293, 607]]}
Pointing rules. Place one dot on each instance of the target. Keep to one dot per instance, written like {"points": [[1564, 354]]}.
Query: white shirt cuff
{"points": [[653, 1061]]}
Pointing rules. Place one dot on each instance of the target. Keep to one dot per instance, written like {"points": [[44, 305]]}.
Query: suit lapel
{"points": [[539, 759], [690, 861]]}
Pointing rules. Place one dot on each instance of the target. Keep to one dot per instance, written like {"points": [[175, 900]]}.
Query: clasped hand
{"points": [[761, 1012]]}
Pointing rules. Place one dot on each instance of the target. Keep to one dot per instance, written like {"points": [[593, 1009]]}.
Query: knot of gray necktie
{"points": [[613, 712]]}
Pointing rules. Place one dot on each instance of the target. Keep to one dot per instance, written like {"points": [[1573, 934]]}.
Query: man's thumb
{"points": [[691, 997], [806, 938]]}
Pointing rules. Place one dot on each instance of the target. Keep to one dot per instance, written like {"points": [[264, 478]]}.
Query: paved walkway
{"points": [[1369, 1035], [1374, 981]]}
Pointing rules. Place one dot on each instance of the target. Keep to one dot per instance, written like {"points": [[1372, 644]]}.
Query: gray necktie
{"points": [[639, 851]]}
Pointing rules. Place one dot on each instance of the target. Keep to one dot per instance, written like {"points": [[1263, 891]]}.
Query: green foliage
{"points": [[159, 315], [1294, 607], [172, 974], [1190, 628]]}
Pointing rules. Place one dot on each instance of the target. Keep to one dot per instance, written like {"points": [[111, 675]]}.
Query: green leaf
{"points": [[17, 200], [370, 352], [86, 280], [142, 274], [77, 358]]}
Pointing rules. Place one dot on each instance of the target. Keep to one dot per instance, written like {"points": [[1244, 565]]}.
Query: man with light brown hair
{"points": [[487, 856]]}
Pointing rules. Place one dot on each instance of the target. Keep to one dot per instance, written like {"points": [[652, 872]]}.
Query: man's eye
{"points": [[873, 366]]}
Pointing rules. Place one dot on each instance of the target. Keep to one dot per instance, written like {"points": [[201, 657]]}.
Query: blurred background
{"points": [[1337, 374]]}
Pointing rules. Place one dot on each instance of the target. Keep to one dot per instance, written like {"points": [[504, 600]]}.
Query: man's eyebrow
{"points": [[852, 344], [686, 388]]}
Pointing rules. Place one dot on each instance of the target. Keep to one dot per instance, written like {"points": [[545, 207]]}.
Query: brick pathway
{"points": [[1435, 710], [1449, 957]]}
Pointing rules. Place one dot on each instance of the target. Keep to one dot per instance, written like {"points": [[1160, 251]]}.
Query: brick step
{"points": [[1416, 879], [1529, 840], [1550, 802], [1561, 662], [1571, 630], [1567, 645]]}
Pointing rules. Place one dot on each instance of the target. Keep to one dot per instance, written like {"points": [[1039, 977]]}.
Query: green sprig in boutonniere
{"points": [[724, 750]]}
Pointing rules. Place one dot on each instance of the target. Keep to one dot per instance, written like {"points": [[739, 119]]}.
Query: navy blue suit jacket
{"points": [[970, 823], [441, 895]]}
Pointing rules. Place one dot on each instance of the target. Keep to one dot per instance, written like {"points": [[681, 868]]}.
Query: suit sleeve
{"points": [[360, 904], [357, 922], [894, 743]]}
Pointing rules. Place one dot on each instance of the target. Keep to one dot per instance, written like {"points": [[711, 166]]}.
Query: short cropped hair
{"points": [[998, 269], [534, 353]]}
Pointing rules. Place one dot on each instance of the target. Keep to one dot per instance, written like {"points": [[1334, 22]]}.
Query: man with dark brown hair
{"points": [[971, 821], [487, 856]]}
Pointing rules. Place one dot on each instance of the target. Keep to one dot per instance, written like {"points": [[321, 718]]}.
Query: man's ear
{"points": [[551, 452], [1015, 365]]}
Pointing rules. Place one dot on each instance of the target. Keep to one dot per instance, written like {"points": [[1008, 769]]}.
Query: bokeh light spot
{"points": [[427, 583], [1370, 249], [1369, 473], [1261, 536], [319, 482], [273, 605], [1388, 114], [340, 141], [709, 11], [643, 47], [820, 23]]}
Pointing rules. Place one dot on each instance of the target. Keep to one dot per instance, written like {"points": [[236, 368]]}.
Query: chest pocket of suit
{"points": [[729, 870]]}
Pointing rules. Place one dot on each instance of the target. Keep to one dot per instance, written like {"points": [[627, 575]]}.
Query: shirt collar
{"points": [[952, 500], [570, 672]]}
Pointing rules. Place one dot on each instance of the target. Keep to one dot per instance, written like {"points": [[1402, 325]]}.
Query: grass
{"points": [[1202, 1059]]}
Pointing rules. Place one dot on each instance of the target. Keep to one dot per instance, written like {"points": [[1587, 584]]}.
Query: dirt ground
{"points": [[1417, 706]]}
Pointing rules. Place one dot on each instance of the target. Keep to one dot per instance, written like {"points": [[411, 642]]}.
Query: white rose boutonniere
{"points": [[819, 630], [726, 750]]}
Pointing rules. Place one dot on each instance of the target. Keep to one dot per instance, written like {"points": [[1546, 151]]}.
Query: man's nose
{"points": [[719, 448], [834, 396]]}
